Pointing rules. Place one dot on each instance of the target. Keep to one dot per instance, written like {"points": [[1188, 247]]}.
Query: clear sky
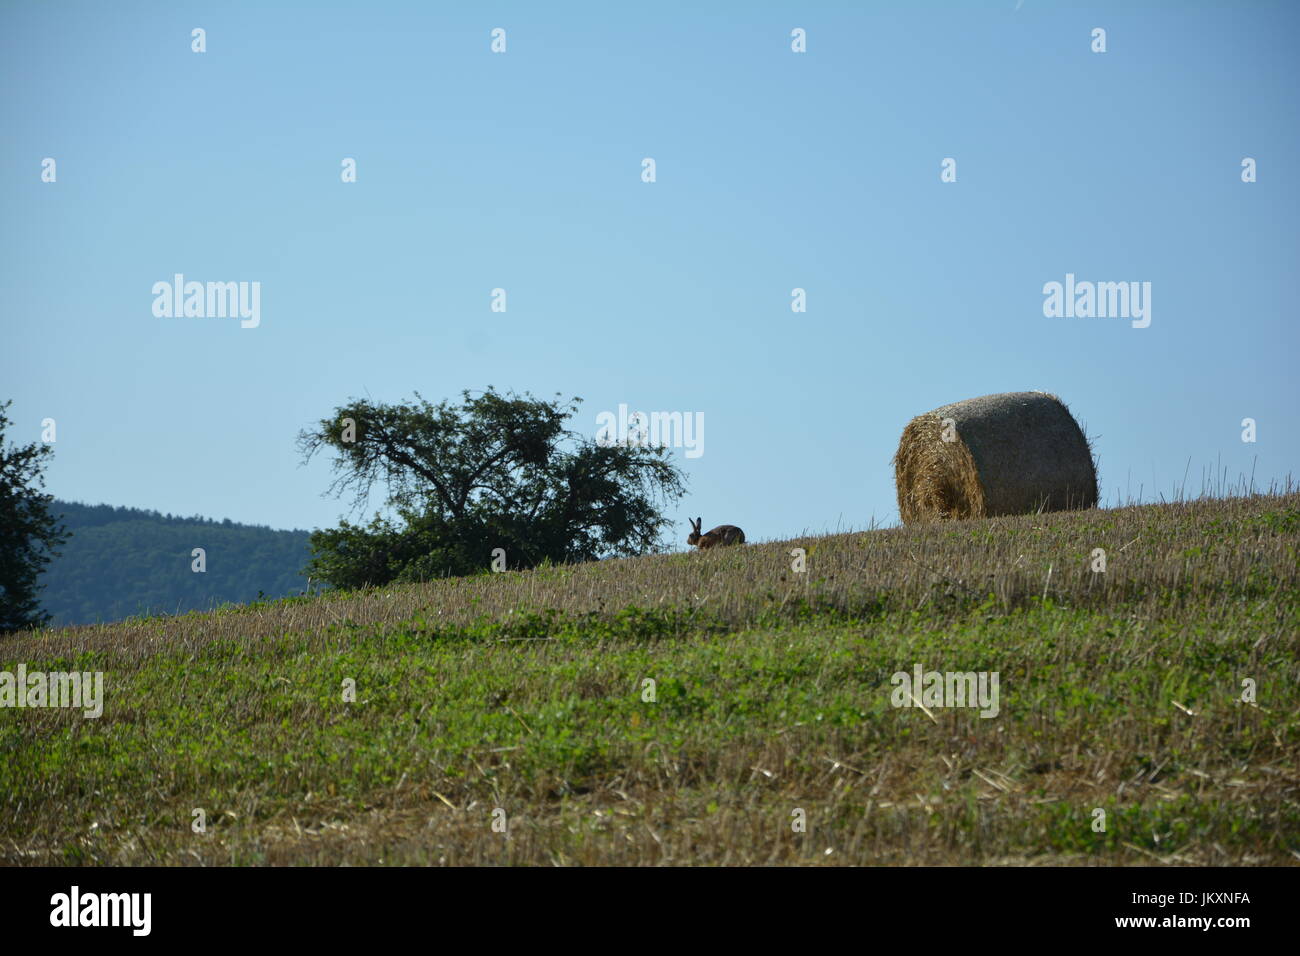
{"points": [[522, 170]]}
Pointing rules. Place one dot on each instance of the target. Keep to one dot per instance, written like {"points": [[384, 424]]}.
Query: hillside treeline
{"points": [[124, 561]]}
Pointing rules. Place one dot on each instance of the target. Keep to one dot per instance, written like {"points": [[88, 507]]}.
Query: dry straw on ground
{"points": [[1014, 453]]}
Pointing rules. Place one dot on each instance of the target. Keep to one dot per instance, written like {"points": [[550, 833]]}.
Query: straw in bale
{"points": [[1014, 453]]}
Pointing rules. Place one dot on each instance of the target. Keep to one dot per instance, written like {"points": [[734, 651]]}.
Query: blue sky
{"points": [[522, 171]]}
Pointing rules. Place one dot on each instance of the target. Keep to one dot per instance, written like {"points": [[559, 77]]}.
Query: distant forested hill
{"points": [[124, 561]]}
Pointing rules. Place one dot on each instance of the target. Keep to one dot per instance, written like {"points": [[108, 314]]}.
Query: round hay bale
{"points": [[1008, 454]]}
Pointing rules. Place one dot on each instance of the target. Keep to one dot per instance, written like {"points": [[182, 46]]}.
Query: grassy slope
{"points": [[523, 691]]}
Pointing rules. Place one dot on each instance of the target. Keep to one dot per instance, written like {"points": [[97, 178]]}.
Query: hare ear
{"points": [[698, 525]]}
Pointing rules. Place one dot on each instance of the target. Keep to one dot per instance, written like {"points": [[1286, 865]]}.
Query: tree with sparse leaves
{"points": [[29, 534], [495, 471]]}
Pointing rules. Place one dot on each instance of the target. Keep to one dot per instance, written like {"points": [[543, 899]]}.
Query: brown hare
{"points": [[722, 534]]}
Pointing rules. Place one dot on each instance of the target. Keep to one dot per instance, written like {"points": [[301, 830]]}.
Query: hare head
{"points": [[694, 537]]}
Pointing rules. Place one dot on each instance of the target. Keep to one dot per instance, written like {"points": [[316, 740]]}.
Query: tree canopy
{"points": [[496, 471], [29, 534]]}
